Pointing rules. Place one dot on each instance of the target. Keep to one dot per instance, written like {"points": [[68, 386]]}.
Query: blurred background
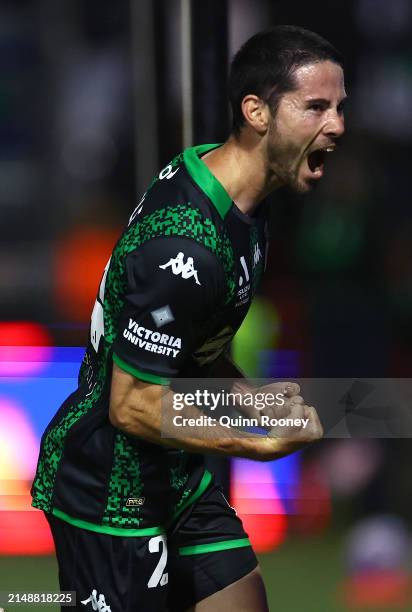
{"points": [[95, 98]]}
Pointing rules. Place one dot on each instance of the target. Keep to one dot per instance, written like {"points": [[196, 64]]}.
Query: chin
{"points": [[300, 183], [303, 186]]}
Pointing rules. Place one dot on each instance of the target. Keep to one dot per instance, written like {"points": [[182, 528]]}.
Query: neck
{"points": [[240, 165]]}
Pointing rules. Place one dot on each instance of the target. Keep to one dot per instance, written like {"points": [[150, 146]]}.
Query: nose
{"points": [[335, 125]]}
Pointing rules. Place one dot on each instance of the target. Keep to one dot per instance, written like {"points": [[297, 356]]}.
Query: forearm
{"points": [[152, 420], [149, 411]]}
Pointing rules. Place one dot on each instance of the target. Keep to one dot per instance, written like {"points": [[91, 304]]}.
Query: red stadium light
{"points": [[379, 590], [256, 499], [80, 259], [24, 348], [23, 530], [23, 333]]}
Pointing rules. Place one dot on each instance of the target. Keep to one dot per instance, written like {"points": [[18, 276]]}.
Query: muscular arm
{"points": [[136, 408]]}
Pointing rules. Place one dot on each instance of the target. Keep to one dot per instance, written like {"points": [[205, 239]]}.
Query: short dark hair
{"points": [[265, 65]]}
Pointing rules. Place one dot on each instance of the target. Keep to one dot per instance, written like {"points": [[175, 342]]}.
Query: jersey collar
{"points": [[202, 176]]}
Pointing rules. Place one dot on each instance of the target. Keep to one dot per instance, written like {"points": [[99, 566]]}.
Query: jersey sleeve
{"points": [[174, 285]]}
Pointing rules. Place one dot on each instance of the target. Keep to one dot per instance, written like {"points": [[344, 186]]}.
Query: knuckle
{"points": [[298, 399], [291, 389]]}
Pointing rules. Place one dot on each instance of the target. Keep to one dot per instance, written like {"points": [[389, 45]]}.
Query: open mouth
{"points": [[316, 160]]}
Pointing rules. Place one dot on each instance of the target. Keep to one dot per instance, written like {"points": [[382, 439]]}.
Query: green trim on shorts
{"points": [[204, 483], [213, 547], [115, 531], [132, 533], [145, 376]]}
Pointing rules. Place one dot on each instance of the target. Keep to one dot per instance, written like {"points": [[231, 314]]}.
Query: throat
{"points": [[243, 174]]}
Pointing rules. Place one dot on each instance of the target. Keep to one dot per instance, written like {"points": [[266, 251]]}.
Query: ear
{"points": [[256, 113]]}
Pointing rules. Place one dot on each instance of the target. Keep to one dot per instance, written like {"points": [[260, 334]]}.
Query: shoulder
{"points": [[176, 264]]}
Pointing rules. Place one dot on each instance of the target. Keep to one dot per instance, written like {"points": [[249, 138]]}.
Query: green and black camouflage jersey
{"points": [[176, 289]]}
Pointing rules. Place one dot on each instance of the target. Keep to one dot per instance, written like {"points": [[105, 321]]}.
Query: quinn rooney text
{"points": [[226, 421]]}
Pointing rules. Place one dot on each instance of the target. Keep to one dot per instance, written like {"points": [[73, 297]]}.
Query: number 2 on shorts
{"points": [[158, 577]]}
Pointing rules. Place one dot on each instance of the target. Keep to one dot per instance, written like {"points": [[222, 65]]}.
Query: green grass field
{"points": [[301, 576]]}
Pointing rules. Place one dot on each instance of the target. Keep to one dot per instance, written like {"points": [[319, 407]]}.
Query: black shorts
{"points": [[203, 552]]}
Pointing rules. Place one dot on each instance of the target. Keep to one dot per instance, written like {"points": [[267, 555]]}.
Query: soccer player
{"points": [[138, 522]]}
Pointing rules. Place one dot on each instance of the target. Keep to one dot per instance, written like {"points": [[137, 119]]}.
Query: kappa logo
{"points": [[97, 604], [179, 266]]}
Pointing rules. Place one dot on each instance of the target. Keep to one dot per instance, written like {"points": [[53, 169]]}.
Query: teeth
{"points": [[329, 150]]}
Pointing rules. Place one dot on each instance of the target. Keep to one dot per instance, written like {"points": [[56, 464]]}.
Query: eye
{"points": [[317, 107]]}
